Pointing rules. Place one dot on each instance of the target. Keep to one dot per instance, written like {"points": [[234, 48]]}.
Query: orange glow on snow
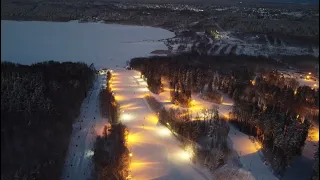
{"points": [[313, 134], [139, 167], [119, 97], [134, 138], [152, 118], [227, 104]]}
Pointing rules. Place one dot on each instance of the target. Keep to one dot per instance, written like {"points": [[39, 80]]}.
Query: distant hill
{"points": [[218, 2]]}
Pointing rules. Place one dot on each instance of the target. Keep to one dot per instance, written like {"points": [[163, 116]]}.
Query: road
{"points": [[85, 130], [156, 152]]}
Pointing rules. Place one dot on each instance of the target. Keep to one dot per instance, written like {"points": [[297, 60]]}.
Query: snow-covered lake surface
{"points": [[105, 45]]}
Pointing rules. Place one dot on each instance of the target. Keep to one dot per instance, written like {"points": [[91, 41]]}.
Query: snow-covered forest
{"points": [[274, 109], [111, 156], [39, 103]]}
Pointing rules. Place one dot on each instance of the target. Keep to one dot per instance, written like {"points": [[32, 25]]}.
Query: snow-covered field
{"points": [[251, 45], [105, 45]]}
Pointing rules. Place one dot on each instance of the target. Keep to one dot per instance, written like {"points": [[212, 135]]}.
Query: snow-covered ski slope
{"points": [[156, 154], [85, 130]]}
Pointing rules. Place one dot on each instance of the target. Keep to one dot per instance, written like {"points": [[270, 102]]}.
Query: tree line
{"points": [[108, 104], [111, 156], [39, 103]]}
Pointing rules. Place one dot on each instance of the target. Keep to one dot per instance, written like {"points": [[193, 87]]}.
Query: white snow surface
{"points": [[89, 125], [28, 42], [157, 154]]}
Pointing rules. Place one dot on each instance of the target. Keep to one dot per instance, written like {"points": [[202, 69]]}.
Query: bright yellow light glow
{"points": [[116, 88], [185, 155], [140, 165], [130, 106], [127, 106], [153, 118], [116, 82], [119, 97], [133, 138], [184, 114], [309, 73], [196, 106], [126, 117], [130, 154], [227, 104], [249, 149], [226, 115], [313, 134], [315, 85], [295, 92], [258, 145], [167, 89], [163, 131]]}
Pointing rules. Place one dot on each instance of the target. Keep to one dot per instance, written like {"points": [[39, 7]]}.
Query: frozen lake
{"points": [[105, 45]]}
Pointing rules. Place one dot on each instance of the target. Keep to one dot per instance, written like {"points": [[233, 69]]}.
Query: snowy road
{"points": [[85, 130], [156, 153]]}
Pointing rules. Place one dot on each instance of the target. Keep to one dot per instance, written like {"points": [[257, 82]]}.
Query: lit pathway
{"points": [[156, 153]]}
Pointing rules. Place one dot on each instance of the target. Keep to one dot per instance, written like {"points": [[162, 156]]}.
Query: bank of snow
{"points": [[105, 45]]}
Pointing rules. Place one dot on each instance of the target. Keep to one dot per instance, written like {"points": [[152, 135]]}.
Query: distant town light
{"points": [[309, 73]]}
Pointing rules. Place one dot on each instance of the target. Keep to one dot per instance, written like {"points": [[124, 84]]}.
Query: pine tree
{"points": [[235, 95]]}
